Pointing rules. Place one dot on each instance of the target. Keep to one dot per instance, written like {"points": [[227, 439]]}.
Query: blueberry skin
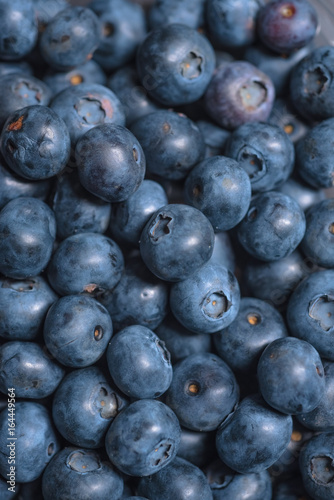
{"points": [[134, 97], [273, 227], [85, 262], [253, 437], [314, 155], [77, 330], [312, 86], [84, 405], [290, 490], [177, 11], [81, 473], [24, 305], [140, 298], [76, 210], [85, 106], [143, 438], [18, 29], [19, 90], [175, 64], [181, 480], [70, 38], [284, 115], [35, 143], [129, 217], [123, 28], [321, 418], [285, 27], [223, 252], [89, 72], [291, 376], [180, 342], [221, 189], [318, 242], [26, 366], [316, 466], [176, 242], [309, 312], [203, 392], [265, 152], [305, 195], [15, 67], [197, 447], [257, 324], [45, 11], [233, 24], [172, 143], [111, 163], [239, 93], [275, 281], [226, 484], [37, 441], [214, 137], [139, 363], [12, 186], [208, 301], [27, 232], [5, 492]]}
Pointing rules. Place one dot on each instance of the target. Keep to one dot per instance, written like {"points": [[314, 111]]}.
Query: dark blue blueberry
{"points": [[84, 405], [27, 234], [139, 298], [85, 262], [312, 85], [9, 491], [318, 242], [253, 437], [76, 210], [232, 24], [275, 281], [197, 447], [81, 473], [27, 367], [273, 227], [19, 90], [208, 301], [184, 12], [70, 38], [24, 305], [172, 143], [223, 252], [291, 490], [129, 217], [291, 376], [305, 195], [12, 186], [285, 26], [15, 67], [123, 28], [316, 466], [226, 484], [139, 363], [314, 155], [214, 137], [265, 152], [181, 480], [175, 64], [284, 115], [46, 9], [143, 438], [180, 342], [89, 72], [203, 391], [35, 142], [77, 330], [111, 163], [310, 313], [18, 29], [220, 187], [239, 93], [322, 417], [134, 97], [257, 324], [176, 242], [85, 106], [36, 441]]}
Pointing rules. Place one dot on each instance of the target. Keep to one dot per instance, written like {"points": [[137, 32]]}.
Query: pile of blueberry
{"points": [[166, 251]]}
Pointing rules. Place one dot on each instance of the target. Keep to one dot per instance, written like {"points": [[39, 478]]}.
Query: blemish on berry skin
{"points": [[16, 125], [90, 288]]}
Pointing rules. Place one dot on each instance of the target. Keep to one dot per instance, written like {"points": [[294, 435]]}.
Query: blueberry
{"points": [[305, 195], [77, 330], [197, 447], [318, 240], [15, 67], [46, 9], [223, 252], [143, 438], [84, 405], [27, 231], [284, 115], [176, 242], [177, 11], [214, 137]]}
